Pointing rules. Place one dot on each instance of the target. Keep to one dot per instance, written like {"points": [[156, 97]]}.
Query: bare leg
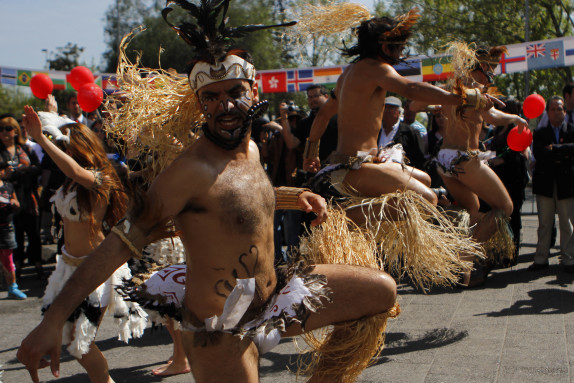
{"points": [[479, 181], [177, 364], [374, 180], [228, 359], [96, 365], [357, 292]]}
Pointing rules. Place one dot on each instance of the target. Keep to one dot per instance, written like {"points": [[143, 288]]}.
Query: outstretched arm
{"points": [[496, 117], [66, 163]]}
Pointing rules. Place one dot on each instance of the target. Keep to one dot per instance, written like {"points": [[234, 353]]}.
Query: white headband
{"points": [[233, 67]]}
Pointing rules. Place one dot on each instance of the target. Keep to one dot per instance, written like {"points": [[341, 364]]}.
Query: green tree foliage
{"points": [[121, 17], [13, 99], [66, 58], [263, 45]]}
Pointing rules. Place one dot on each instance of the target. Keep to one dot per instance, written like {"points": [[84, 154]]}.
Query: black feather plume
{"points": [[210, 39]]}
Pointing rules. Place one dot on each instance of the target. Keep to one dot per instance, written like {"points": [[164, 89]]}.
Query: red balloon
{"points": [[533, 106], [41, 85], [519, 141], [90, 97], [79, 76]]}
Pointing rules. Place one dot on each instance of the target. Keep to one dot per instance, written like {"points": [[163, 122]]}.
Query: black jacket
{"points": [[554, 165], [412, 143]]}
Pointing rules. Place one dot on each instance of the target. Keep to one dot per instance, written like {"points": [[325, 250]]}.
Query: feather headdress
{"points": [[402, 30], [490, 56], [212, 39]]}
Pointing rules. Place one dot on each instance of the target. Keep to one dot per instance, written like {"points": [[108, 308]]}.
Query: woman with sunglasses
{"points": [[90, 201], [22, 172]]}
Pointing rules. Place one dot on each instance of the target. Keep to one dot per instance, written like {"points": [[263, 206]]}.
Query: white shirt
{"points": [[385, 138]]}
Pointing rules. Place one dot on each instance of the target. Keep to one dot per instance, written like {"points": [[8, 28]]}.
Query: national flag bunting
{"points": [[436, 68], [513, 61], [545, 55], [522, 57], [273, 82], [299, 79], [24, 77]]}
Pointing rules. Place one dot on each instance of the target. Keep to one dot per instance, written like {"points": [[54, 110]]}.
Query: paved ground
{"points": [[519, 327]]}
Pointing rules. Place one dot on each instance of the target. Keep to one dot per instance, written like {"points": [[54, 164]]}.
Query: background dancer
{"points": [[378, 190], [91, 198], [359, 102], [466, 176]]}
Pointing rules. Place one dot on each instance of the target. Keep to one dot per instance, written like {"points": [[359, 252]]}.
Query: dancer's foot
{"points": [[171, 368]]}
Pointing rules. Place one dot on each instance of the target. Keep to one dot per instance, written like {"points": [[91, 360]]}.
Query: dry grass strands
{"points": [[328, 19], [416, 239], [324, 21], [463, 59], [500, 248], [157, 112], [343, 351]]}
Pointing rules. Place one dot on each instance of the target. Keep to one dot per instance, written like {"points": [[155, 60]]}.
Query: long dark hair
{"points": [[87, 150]]}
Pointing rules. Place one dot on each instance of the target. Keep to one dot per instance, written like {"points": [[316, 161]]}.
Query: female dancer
{"points": [[91, 200]]}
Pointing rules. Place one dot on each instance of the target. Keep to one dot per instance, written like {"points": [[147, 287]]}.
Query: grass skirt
{"points": [[415, 239], [344, 350]]}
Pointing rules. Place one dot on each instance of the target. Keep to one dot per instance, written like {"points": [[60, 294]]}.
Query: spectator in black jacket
{"points": [[553, 184]]}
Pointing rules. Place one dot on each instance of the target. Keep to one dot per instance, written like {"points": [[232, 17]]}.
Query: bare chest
{"points": [[244, 197]]}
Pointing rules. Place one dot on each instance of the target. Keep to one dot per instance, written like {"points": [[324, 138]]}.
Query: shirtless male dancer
{"points": [[465, 175], [222, 202], [359, 102]]}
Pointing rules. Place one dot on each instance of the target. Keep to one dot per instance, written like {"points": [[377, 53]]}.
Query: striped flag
{"points": [[410, 69], [9, 76], [109, 84], [328, 75], [436, 68]]}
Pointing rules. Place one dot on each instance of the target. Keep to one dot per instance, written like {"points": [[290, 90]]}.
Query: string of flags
{"points": [[544, 54]]}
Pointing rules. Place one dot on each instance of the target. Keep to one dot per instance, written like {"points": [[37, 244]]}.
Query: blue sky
{"points": [[29, 26]]}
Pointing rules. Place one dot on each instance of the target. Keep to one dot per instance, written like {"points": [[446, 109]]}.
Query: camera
{"points": [[291, 107]]}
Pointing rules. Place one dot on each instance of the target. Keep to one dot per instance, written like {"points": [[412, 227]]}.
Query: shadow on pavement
{"points": [[544, 301], [401, 343]]}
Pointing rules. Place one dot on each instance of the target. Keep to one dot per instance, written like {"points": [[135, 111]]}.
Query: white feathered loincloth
{"points": [[81, 327]]}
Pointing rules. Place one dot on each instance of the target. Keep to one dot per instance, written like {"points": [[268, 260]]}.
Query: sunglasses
{"points": [[6, 128]]}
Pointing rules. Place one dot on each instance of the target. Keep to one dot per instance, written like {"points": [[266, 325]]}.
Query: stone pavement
{"points": [[518, 327]]}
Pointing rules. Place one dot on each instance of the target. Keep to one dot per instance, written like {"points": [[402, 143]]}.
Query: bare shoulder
{"points": [[253, 150], [187, 177]]}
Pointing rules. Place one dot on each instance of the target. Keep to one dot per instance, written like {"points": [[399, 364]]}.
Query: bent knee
{"points": [[385, 293], [506, 208]]}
